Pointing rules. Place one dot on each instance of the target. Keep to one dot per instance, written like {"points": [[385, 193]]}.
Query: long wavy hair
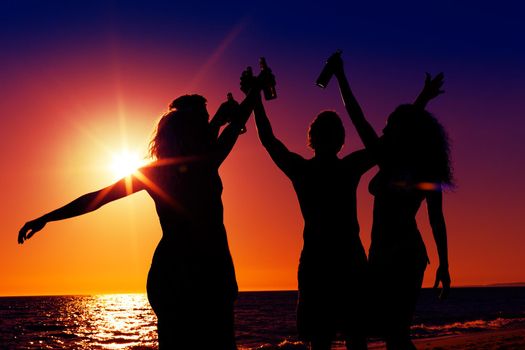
{"points": [[183, 130], [417, 146]]}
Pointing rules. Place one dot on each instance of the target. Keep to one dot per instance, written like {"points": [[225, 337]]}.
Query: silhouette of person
{"points": [[191, 283], [332, 267], [413, 159]]}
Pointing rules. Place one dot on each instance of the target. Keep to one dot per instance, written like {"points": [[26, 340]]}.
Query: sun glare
{"points": [[125, 163]]}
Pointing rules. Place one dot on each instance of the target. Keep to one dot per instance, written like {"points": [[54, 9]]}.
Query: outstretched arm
{"points": [[439, 231], [82, 205], [364, 129]]}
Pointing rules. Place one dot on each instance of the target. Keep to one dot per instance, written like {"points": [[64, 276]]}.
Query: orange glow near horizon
{"points": [[110, 250]]}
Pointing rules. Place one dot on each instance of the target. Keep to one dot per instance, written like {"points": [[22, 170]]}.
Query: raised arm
{"points": [[287, 161], [220, 118], [82, 205], [364, 129], [237, 115], [431, 89], [439, 231]]}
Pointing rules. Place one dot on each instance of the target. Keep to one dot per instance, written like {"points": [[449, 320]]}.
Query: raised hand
{"points": [[228, 108], [29, 229], [431, 89], [226, 112], [248, 80], [336, 62], [443, 277]]}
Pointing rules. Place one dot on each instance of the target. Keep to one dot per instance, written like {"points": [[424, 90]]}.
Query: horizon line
{"points": [[490, 285]]}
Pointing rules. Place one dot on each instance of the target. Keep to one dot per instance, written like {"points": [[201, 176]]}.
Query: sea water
{"points": [[263, 319]]}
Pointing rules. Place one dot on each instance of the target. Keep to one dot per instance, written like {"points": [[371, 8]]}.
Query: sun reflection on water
{"points": [[120, 321], [111, 321]]}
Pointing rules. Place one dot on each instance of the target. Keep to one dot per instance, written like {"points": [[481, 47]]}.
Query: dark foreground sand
{"points": [[505, 339]]}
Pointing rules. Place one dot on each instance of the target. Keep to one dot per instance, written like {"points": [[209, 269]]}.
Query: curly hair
{"points": [[415, 141], [326, 132]]}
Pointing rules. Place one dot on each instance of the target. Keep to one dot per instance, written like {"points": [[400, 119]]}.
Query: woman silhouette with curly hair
{"points": [[414, 166]]}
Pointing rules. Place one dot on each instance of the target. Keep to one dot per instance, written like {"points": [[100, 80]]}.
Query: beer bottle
{"points": [[268, 80], [328, 71]]}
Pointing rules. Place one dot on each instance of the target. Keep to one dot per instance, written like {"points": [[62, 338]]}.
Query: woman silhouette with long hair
{"points": [[332, 267], [414, 166], [191, 283]]}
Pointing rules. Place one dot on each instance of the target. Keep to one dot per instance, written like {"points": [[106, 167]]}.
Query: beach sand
{"points": [[510, 338], [505, 339]]}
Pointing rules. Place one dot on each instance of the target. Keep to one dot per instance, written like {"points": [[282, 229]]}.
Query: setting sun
{"points": [[125, 163]]}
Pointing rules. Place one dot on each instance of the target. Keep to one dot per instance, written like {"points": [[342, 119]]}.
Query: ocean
{"points": [[263, 319]]}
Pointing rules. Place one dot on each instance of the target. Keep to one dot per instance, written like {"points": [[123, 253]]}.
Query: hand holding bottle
{"points": [[265, 81], [248, 80]]}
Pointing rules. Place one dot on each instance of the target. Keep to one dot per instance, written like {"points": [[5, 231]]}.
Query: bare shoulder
{"points": [[148, 172], [360, 160]]}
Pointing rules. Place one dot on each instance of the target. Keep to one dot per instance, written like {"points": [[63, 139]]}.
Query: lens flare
{"points": [[125, 163]]}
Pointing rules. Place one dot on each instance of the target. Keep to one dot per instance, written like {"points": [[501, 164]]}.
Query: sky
{"points": [[84, 81]]}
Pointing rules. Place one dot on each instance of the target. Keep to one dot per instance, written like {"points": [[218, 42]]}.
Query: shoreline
{"points": [[512, 338]]}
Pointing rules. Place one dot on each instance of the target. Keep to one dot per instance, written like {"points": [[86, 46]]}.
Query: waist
{"points": [[331, 247], [397, 242]]}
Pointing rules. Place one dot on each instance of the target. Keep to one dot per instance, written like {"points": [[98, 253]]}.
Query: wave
{"points": [[284, 345], [418, 331], [423, 330]]}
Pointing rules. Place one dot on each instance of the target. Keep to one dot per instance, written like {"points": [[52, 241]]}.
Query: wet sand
{"points": [[504, 339]]}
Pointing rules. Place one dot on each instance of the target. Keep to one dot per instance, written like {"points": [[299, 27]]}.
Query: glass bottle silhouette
{"points": [[229, 98], [268, 80], [328, 70]]}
